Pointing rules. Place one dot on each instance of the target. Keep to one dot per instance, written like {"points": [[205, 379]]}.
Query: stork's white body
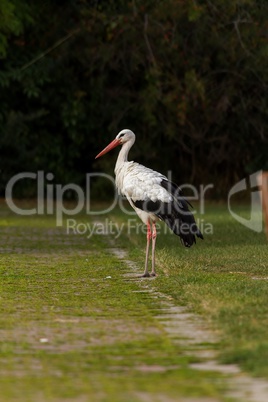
{"points": [[150, 194], [137, 182]]}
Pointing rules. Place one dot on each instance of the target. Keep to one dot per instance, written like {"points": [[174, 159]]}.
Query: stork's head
{"points": [[121, 138], [125, 135]]}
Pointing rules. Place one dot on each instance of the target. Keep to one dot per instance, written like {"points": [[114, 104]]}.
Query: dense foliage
{"points": [[188, 77]]}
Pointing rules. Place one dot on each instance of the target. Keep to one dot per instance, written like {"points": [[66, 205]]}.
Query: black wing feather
{"points": [[175, 214], [175, 190]]}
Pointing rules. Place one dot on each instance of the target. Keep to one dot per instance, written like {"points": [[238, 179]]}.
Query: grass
{"points": [[224, 278], [73, 328]]}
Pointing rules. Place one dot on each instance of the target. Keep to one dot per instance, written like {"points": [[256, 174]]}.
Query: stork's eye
{"points": [[120, 136]]}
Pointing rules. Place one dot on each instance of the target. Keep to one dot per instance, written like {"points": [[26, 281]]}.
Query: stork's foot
{"points": [[147, 275]]}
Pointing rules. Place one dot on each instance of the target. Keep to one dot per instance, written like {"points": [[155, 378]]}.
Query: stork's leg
{"points": [[149, 236], [154, 234]]}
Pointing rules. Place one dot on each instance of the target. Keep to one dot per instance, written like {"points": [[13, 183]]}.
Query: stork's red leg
{"points": [[149, 236], [154, 234]]}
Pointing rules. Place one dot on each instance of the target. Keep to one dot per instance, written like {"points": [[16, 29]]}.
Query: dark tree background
{"points": [[188, 77]]}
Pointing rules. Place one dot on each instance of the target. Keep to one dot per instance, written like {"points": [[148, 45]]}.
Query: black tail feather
{"points": [[180, 220], [183, 225]]}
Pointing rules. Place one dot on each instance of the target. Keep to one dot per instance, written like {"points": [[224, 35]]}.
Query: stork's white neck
{"points": [[123, 154]]}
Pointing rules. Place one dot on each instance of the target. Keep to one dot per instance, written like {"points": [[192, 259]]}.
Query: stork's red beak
{"points": [[112, 145]]}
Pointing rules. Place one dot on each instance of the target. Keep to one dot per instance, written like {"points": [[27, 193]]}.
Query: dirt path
{"points": [[190, 331]]}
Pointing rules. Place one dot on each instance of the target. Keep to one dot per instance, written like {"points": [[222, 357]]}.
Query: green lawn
{"points": [[224, 278], [73, 328]]}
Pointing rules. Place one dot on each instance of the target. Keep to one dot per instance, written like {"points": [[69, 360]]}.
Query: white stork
{"points": [[152, 196]]}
